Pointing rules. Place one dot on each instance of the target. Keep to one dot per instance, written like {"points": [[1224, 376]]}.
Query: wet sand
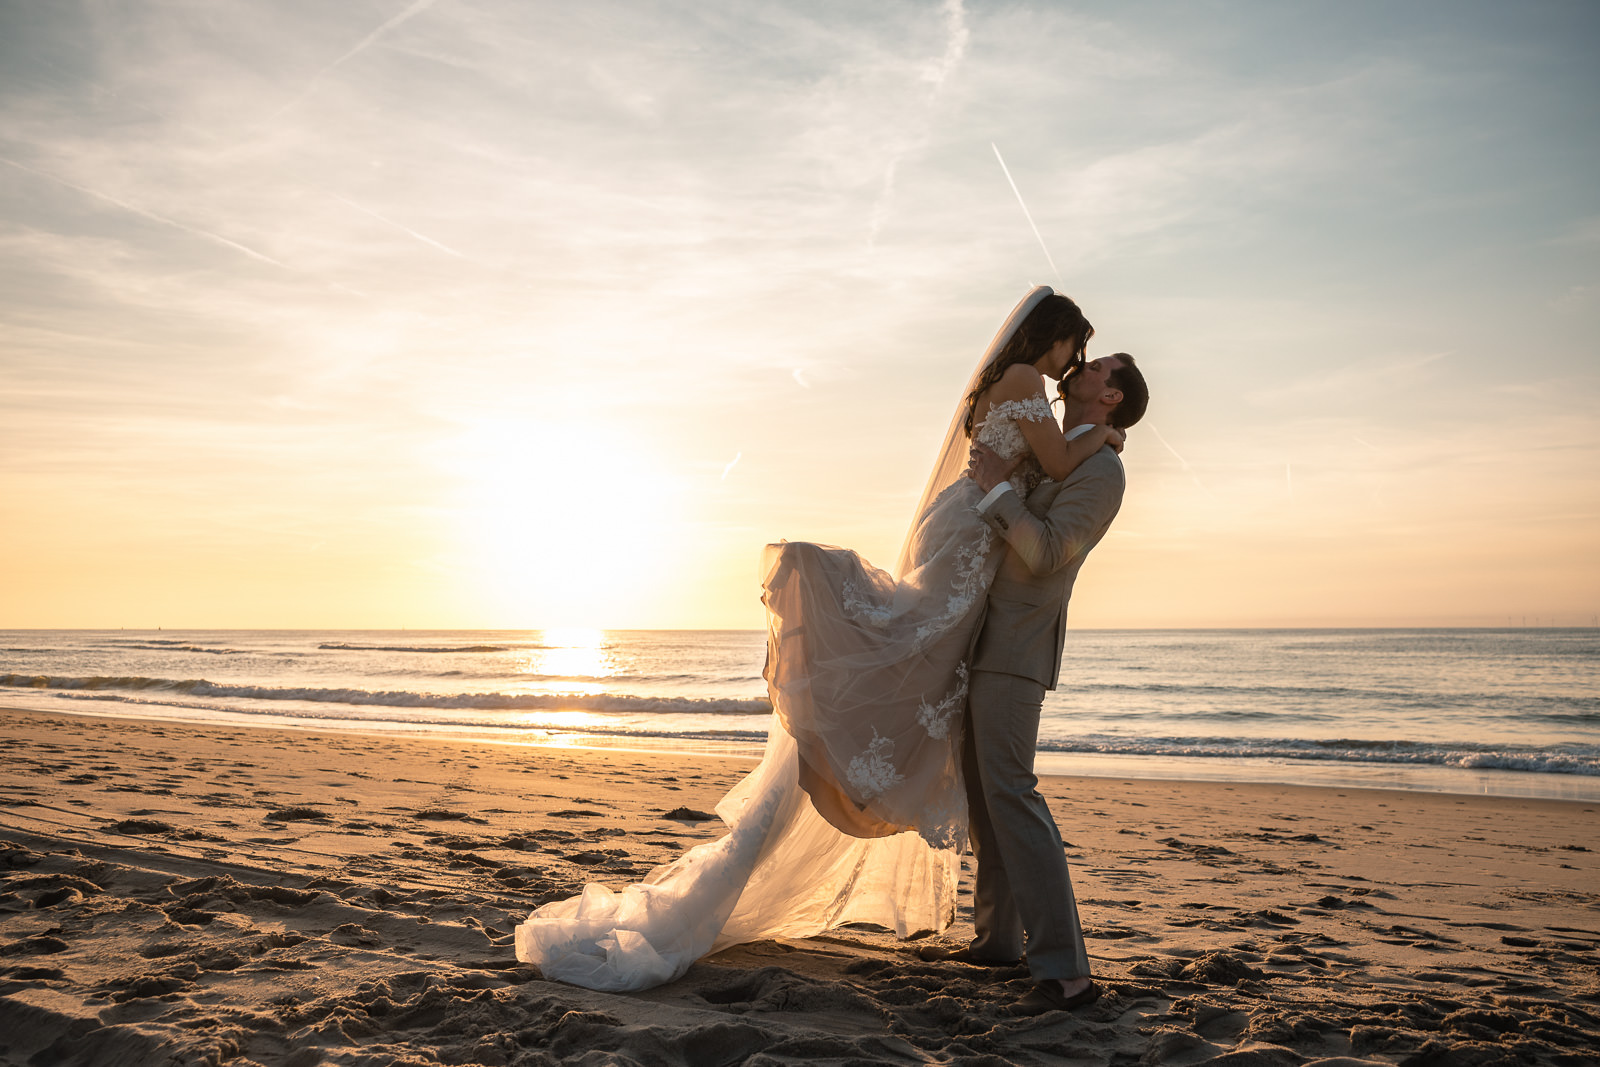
{"points": [[193, 894]]}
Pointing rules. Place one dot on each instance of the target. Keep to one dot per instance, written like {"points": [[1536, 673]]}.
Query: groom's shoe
{"points": [[1047, 996], [946, 954]]}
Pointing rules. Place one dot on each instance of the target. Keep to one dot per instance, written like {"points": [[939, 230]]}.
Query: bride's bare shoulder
{"points": [[1017, 383]]}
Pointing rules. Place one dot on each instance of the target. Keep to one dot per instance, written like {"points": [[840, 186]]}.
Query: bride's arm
{"points": [[1058, 456]]}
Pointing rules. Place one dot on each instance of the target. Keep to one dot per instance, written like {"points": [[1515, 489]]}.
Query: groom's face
{"points": [[1092, 380]]}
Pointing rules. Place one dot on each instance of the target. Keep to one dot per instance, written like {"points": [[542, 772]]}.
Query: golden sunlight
{"points": [[567, 657], [545, 532]]}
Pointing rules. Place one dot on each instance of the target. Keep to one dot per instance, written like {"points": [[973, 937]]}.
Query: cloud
{"points": [[659, 217], [935, 74]]}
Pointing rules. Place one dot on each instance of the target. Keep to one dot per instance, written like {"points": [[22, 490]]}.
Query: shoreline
{"points": [[1331, 774], [172, 891]]}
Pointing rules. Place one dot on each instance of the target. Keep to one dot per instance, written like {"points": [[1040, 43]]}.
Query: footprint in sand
{"points": [[446, 815], [298, 813]]}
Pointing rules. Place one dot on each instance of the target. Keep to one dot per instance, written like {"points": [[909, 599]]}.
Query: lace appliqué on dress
{"points": [[871, 772], [936, 718], [859, 603], [966, 583], [942, 829], [1000, 432]]}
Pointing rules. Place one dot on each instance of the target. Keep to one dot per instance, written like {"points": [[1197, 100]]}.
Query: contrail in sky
{"points": [[1163, 440], [416, 8], [399, 226], [1026, 213], [151, 215], [1185, 463], [734, 463]]}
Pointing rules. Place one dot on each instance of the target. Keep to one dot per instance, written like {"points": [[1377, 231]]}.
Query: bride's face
{"points": [[1060, 356]]}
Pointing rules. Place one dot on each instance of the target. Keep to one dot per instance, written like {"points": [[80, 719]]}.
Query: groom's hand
{"points": [[985, 466]]}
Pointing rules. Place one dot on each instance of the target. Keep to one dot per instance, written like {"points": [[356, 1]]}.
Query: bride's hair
{"points": [[1056, 318]]}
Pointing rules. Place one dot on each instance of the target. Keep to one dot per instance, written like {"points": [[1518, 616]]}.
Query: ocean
{"points": [[1513, 712]]}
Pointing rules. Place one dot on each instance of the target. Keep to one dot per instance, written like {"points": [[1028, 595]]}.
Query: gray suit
{"points": [[1024, 900]]}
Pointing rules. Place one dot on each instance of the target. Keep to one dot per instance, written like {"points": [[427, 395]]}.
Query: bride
{"points": [[856, 812]]}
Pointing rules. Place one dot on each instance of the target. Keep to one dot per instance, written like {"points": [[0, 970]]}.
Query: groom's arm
{"points": [[1087, 501]]}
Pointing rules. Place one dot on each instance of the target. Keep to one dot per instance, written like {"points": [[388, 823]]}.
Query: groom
{"points": [[1024, 900]]}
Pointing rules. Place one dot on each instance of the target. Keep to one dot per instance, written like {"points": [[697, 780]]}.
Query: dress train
{"points": [[781, 871]]}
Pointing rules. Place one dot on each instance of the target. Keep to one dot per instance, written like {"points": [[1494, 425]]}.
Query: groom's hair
{"points": [[1135, 394]]}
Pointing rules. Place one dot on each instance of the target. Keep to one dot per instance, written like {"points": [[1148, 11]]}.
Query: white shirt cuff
{"points": [[993, 495]]}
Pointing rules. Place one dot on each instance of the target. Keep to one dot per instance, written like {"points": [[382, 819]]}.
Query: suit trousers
{"points": [[1024, 902]]}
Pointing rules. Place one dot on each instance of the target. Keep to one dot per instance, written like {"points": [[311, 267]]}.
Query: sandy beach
{"points": [[207, 895]]}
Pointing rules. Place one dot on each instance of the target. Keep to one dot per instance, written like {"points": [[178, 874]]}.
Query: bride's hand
{"points": [[1116, 439], [985, 466]]}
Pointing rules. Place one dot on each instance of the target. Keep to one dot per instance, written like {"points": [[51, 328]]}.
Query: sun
{"points": [[559, 525]]}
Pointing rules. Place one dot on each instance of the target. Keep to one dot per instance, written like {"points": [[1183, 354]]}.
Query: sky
{"points": [[510, 314]]}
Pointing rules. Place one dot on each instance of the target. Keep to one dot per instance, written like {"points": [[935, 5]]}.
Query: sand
{"points": [[177, 894]]}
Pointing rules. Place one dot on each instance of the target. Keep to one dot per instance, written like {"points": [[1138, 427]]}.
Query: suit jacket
{"points": [[1024, 623]]}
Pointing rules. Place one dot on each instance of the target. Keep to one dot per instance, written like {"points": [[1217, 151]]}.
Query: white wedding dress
{"points": [[856, 813]]}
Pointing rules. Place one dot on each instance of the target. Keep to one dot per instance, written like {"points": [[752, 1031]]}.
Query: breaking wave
{"points": [[1569, 759], [599, 702]]}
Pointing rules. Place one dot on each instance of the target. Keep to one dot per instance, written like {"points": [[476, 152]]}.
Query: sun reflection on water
{"points": [[569, 660]]}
